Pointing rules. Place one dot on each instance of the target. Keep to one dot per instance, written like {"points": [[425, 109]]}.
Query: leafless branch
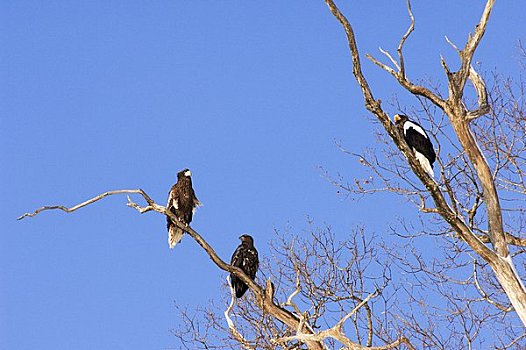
{"points": [[151, 204], [484, 294], [459, 117], [264, 296], [404, 38], [336, 332], [238, 336], [480, 87], [393, 61]]}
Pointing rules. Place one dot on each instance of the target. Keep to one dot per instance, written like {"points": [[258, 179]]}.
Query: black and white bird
{"points": [[182, 202], [418, 140], [246, 258]]}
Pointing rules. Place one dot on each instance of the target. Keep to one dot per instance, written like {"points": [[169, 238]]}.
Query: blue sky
{"points": [[250, 96]]}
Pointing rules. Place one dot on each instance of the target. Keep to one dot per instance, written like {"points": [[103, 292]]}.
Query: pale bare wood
{"points": [[90, 201], [502, 263], [404, 38], [473, 42], [374, 106], [235, 333], [388, 55], [498, 257], [336, 332], [510, 239], [484, 294], [264, 296], [480, 87]]}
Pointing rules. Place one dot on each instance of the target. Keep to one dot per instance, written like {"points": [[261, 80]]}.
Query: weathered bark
{"points": [[264, 296], [511, 283], [498, 257]]}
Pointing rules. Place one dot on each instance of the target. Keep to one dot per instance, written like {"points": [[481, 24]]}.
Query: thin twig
{"points": [[90, 201], [235, 333], [404, 38], [264, 297]]}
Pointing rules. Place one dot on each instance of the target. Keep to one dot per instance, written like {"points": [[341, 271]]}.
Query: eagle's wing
{"points": [[173, 198], [250, 262], [237, 260], [196, 201], [417, 138], [246, 259], [174, 233], [237, 257]]}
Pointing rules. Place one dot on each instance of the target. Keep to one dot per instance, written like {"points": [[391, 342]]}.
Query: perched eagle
{"points": [[246, 258], [182, 202], [418, 141]]}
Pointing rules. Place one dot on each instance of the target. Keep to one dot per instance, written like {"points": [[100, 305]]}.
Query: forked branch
{"points": [[373, 106], [467, 53], [235, 333], [151, 203], [264, 296], [336, 332], [480, 87], [404, 38], [498, 258]]}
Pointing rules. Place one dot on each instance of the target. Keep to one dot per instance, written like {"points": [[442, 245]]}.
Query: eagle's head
{"points": [[400, 119], [247, 239], [184, 173]]}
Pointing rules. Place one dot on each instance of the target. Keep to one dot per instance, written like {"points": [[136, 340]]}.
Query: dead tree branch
{"points": [[498, 257], [264, 296], [404, 38], [235, 333], [151, 204], [336, 332]]}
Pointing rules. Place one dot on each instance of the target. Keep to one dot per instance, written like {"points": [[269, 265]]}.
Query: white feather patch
{"points": [[188, 173], [424, 162], [417, 128], [175, 235]]}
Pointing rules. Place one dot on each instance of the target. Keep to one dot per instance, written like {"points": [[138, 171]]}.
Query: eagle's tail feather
{"points": [[424, 162], [241, 288], [175, 234]]}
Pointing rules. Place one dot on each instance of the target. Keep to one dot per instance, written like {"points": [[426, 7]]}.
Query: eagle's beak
{"points": [[397, 118], [188, 173]]}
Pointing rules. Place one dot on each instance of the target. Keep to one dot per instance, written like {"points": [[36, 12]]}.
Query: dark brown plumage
{"points": [[246, 258], [182, 202]]}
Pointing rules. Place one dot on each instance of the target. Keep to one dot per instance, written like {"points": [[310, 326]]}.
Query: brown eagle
{"points": [[246, 258], [182, 202]]}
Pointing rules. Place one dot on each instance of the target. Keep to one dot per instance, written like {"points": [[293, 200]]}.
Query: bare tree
{"points": [[382, 295], [272, 324], [446, 198], [361, 293]]}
